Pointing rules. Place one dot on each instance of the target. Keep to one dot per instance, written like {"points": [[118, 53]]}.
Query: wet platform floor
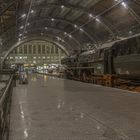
{"points": [[57, 109]]}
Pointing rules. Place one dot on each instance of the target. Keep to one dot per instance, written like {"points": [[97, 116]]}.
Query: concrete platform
{"points": [[56, 109]]}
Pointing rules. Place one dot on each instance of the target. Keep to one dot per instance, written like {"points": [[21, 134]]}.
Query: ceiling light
{"points": [[90, 15], [62, 6], [46, 28], [70, 36], [62, 40], [130, 32], [58, 38], [81, 29], [32, 11], [75, 26], [52, 19], [20, 35], [28, 24], [65, 33], [124, 4], [21, 27], [97, 19], [23, 16]]}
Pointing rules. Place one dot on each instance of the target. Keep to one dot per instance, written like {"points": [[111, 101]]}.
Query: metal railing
{"points": [[5, 107]]}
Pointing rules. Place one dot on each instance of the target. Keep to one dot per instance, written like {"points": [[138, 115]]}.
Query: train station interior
{"points": [[69, 69]]}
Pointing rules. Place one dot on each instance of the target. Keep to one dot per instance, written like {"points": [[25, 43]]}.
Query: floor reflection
{"points": [[55, 109]]}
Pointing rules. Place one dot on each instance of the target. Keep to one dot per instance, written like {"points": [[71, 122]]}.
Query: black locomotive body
{"points": [[122, 58], [126, 57]]}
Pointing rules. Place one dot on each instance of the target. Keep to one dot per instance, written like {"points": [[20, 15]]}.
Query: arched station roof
{"points": [[73, 24]]}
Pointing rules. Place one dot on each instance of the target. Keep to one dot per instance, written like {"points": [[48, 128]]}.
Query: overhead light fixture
{"points": [[52, 19], [32, 11], [46, 28], [124, 4], [70, 36], [58, 38], [90, 15], [23, 15], [81, 29], [65, 33], [20, 35], [130, 32], [97, 19], [62, 6], [75, 26], [28, 24], [21, 27], [62, 40]]}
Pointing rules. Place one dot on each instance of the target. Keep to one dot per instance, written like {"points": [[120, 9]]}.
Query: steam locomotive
{"points": [[121, 58]]}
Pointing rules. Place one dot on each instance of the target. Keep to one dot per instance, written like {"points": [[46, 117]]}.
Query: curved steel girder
{"points": [[7, 7], [134, 14], [54, 37], [68, 44], [55, 29], [67, 22], [85, 10], [67, 5], [31, 39]]}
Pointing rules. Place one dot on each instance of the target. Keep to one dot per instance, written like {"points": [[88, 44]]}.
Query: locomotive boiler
{"points": [[122, 58]]}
